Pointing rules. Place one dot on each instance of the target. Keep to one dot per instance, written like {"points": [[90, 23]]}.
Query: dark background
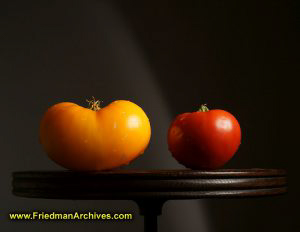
{"points": [[168, 57]]}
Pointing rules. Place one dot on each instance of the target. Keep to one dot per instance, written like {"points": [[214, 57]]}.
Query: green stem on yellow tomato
{"points": [[94, 104]]}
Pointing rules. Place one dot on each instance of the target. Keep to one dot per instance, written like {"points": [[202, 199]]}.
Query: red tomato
{"points": [[205, 139]]}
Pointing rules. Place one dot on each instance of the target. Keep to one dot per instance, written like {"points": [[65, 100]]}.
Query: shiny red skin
{"points": [[204, 140]]}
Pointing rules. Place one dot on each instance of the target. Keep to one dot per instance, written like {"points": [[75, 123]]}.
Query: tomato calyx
{"points": [[94, 104], [203, 108]]}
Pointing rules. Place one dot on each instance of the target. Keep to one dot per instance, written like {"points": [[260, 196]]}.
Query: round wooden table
{"points": [[150, 188]]}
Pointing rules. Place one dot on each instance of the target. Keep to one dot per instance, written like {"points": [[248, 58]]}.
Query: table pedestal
{"points": [[150, 210]]}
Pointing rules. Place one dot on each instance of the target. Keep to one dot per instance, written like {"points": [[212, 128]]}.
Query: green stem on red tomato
{"points": [[203, 108]]}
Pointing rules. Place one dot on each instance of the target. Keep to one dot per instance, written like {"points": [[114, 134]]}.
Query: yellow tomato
{"points": [[94, 139]]}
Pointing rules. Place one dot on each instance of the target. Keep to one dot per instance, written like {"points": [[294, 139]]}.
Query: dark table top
{"points": [[150, 184]]}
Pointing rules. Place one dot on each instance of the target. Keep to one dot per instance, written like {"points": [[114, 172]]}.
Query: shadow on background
{"points": [[237, 56]]}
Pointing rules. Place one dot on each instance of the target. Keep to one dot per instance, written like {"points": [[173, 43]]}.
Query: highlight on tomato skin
{"points": [[94, 138], [205, 139]]}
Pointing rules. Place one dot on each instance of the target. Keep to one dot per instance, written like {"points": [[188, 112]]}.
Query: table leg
{"points": [[150, 209], [150, 223]]}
